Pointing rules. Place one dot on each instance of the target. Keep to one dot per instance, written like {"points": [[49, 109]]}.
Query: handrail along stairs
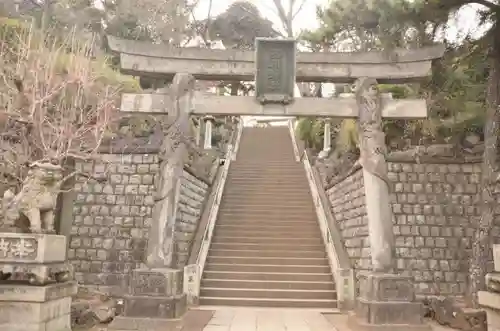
{"points": [[338, 258], [193, 272]]}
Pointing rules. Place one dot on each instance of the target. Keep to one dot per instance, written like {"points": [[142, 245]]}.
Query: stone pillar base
{"points": [[36, 308], [154, 296], [490, 302], [387, 302]]}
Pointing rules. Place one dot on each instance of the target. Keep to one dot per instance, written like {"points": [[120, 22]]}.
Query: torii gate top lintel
{"points": [[275, 67], [140, 58]]}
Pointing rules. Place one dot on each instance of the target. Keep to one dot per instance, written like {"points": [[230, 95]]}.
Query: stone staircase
{"points": [[267, 249]]}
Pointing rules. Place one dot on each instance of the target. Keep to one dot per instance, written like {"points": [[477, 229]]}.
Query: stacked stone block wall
{"points": [[435, 207], [112, 217], [191, 202], [347, 199]]}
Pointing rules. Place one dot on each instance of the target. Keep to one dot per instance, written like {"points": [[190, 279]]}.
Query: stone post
{"points": [[327, 141], [387, 300], [39, 296], [208, 131], [156, 290], [489, 300], [198, 132]]}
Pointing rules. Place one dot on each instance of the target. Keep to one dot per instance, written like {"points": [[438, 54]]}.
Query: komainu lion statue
{"points": [[37, 199]]}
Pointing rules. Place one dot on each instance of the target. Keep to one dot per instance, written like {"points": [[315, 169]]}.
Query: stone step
{"points": [[272, 208], [267, 284], [276, 200], [267, 215], [269, 246], [263, 212], [268, 268], [266, 143], [281, 261], [253, 193], [306, 203], [254, 168], [267, 249], [268, 276], [294, 190], [267, 293], [320, 253], [263, 178], [252, 221], [262, 232], [256, 196], [259, 149], [268, 185], [266, 227], [272, 201], [267, 240], [245, 170], [242, 164], [268, 303], [256, 176], [273, 223], [256, 157], [269, 182]]}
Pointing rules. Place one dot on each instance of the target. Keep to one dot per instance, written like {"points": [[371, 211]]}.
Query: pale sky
{"points": [[306, 19]]}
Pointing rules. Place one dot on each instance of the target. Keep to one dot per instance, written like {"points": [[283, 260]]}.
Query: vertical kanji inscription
{"points": [[275, 70]]}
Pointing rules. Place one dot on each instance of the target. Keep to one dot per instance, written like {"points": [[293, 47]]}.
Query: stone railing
{"points": [[236, 145], [296, 152], [196, 263], [337, 256]]}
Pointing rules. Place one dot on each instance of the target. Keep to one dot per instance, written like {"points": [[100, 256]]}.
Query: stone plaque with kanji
{"points": [[32, 248], [275, 70], [18, 249], [156, 282]]}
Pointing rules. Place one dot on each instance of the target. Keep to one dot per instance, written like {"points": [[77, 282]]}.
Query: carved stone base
{"points": [[35, 258], [172, 307], [164, 282], [387, 301], [323, 154], [155, 296], [36, 274], [490, 302], [36, 308], [32, 248]]}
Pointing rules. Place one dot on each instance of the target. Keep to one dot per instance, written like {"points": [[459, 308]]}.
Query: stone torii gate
{"points": [[386, 299]]}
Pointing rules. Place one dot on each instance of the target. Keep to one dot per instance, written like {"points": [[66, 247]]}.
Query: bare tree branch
{"points": [[287, 26]]}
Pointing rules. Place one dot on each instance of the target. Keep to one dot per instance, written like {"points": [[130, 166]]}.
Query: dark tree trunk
{"points": [[481, 245]]}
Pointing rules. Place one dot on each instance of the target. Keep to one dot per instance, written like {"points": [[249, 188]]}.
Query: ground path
{"points": [[255, 319]]}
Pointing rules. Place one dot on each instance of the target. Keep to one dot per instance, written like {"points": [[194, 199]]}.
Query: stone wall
{"points": [[111, 218], [191, 202], [434, 206], [347, 199]]}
